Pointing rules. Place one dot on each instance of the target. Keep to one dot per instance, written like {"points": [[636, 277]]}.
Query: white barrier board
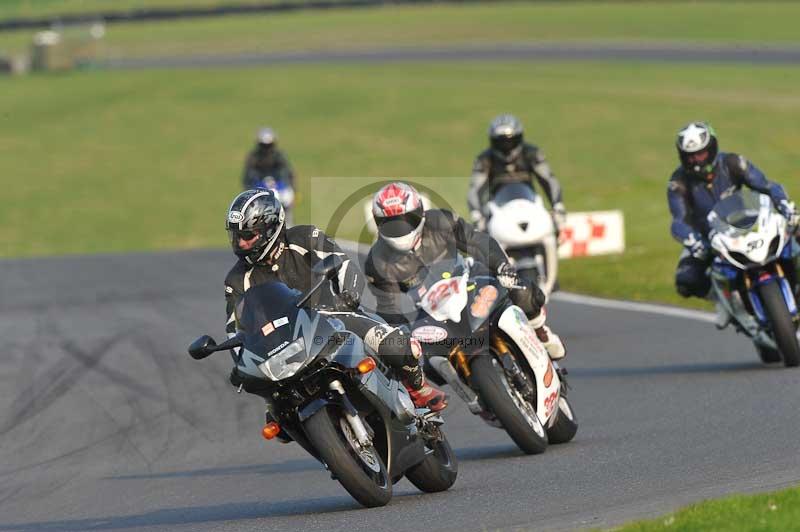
{"points": [[592, 233]]}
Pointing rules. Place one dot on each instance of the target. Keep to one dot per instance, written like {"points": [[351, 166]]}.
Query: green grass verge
{"points": [[118, 161], [754, 22], [744, 513]]}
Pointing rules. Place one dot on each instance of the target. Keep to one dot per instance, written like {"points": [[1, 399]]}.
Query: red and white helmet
{"points": [[399, 215]]}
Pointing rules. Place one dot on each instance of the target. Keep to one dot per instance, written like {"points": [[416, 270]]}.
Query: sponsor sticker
{"points": [[483, 302], [429, 334], [548, 375], [235, 217], [267, 329], [280, 321]]}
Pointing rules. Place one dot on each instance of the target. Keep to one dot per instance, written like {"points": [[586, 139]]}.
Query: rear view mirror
{"points": [[328, 266], [202, 347]]}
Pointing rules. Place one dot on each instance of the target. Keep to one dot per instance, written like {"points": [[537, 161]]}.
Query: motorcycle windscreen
{"points": [[513, 191], [267, 314], [737, 213]]}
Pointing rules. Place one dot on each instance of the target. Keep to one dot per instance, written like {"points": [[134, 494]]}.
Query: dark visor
{"points": [[398, 226]]}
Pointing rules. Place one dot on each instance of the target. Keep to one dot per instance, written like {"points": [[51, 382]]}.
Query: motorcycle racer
{"points": [[509, 159], [704, 176], [269, 251], [410, 237], [266, 159]]}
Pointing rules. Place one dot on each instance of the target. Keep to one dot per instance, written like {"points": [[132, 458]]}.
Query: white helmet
{"points": [[266, 136], [399, 215]]}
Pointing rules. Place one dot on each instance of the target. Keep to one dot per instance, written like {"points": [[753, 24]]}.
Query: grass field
{"points": [[683, 22], [745, 513], [117, 161]]}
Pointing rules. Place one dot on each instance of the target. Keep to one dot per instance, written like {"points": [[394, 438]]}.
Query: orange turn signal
{"points": [[366, 365], [270, 430]]}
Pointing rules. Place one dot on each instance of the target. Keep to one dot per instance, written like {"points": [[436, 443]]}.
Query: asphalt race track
{"points": [[107, 424], [541, 51]]}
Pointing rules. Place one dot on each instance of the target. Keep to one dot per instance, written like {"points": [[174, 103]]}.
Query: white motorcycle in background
{"points": [[519, 221], [753, 275]]}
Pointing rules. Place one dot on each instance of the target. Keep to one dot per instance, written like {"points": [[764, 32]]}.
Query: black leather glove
{"points": [[507, 275]]}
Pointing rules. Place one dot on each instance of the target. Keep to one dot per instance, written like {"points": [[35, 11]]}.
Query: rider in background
{"points": [[704, 176], [509, 159], [410, 238], [266, 159]]}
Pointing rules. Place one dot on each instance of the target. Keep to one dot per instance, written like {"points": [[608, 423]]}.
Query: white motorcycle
{"points": [[753, 273], [482, 345], [519, 221]]}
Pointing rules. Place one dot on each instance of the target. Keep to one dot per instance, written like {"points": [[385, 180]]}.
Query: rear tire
{"points": [[783, 328], [439, 469], [566, 425], [370, 486], [488, 377]]}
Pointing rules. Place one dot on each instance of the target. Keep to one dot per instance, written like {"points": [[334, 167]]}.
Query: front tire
{"points": [[519, 421], [363, 474], [783, 328], [439, 469], [767, 354], [566, 425]]}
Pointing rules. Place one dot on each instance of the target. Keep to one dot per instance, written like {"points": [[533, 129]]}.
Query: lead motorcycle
{"points": [[332, 395], [482, 345], [753, 274]]}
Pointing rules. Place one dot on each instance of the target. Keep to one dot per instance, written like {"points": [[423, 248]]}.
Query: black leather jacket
{"points": [[391, 273], [290, 263], [490, 170]]}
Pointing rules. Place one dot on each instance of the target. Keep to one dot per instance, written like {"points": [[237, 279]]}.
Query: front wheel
{"points": [[566, 425], [358, 469], [780, 319], [439, 469], [767, 354], [514, 411]]}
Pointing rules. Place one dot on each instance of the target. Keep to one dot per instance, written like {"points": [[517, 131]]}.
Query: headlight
{"points": [[286, 362]]}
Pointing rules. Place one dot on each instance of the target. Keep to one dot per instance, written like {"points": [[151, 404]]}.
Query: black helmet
{"points": [[505, 136], [697, 148], [257, 218]]}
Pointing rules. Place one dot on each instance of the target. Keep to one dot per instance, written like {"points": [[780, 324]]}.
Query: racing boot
{"points": [[428, 397], [723, 317], [551, 341], [423, 395]]}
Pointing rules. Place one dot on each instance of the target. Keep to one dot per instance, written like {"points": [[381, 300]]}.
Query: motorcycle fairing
{"points": [[515, 324]]}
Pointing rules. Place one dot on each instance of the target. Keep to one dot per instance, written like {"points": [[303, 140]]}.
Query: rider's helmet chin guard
{"points": [[399, 215], [257, 218], [697, 149], [505, 136]]}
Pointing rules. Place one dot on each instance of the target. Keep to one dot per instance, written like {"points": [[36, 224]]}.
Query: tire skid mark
{"points": [[173, 409], [81, 449], [56, 381]]}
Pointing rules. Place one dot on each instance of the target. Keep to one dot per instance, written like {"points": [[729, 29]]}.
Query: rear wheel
{"points": [[359, 469], [439, 469], [514, 411], [783, 327], [566, 425]]}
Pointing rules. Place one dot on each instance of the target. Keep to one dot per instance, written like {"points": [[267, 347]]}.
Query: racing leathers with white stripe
{"points": [[291, 263]]}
